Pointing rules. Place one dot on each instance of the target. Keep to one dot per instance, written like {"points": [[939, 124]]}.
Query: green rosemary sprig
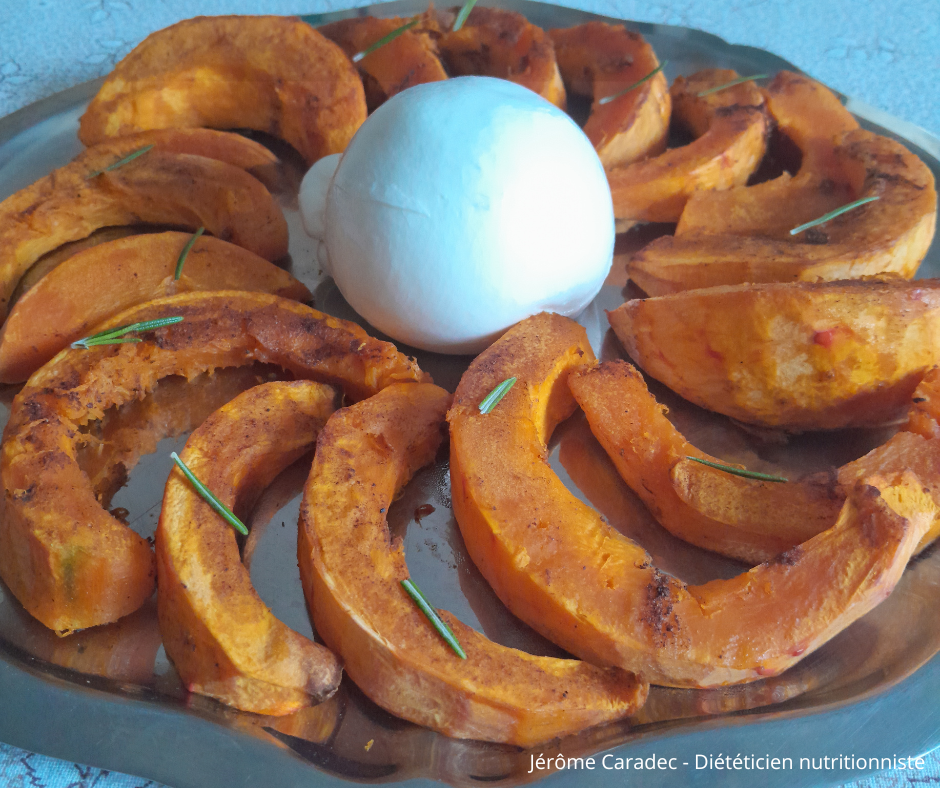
{"points": [[121, 162], [731, 84], [653, 73], [116, 336], [764, 477], [181, 260], [492, 399], [464, 13], [436, 621], [833, 214], [385, 39], [209, 498]]}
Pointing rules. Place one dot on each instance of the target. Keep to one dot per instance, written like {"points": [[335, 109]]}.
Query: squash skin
{"points": [[269, 73], [503, 44], [410, 59], [730, 127], [157, 188], [70, 563], [599, 60], [364, 456], [222, 638], [801, 356], [891, 235], [812, 117], [534, 542], [92, 285]]}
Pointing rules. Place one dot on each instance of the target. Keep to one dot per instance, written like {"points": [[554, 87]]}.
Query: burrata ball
{"points": [[460, 208]]}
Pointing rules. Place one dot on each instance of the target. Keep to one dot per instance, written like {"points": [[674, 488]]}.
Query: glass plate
{"points": [[109, 696]]}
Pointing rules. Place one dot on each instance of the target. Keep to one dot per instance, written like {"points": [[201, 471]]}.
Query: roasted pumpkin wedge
{"points": [[504, 44], [221, 637], [600, 61], [352, 572], [274, 74], [561, 568], [410, 59], [94, 284], [730, 128], [800, 356], [70, 563], [812, 118], [891, 235], [156, 187], [758, 521]]}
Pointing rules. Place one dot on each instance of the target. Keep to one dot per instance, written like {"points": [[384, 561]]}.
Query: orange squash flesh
{"points": [[800, 356], [99, 282], [812, 118], [891, 235], [70, 563], [410, 59], [503, 44], [156, 188], [269, 73], [352, 572], [730, 127], [221, 637], [600, 60], [758, 521], [557, 565]]}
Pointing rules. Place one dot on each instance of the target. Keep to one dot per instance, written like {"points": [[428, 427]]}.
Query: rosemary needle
{"points": [[436, 621], [227, 514], [653, 73], [731, 84], [492, 399], [185, 253], [121, 162], [833, 214], [385, 39], [116, 336], [764, 477], [464, 13]]}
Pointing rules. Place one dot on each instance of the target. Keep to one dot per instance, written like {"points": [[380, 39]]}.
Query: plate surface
{"points": [[109, 697]]}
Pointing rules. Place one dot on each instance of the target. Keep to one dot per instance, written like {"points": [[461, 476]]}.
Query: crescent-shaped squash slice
{"points": [[601, 60], [811, 117], [800, 356], [891, 235], [70, 563], [566, 572], [157, 187], [352, 572], [504, 44], [106, 279], [222, 638], [274, 74], [408, 60], [730, 127]]}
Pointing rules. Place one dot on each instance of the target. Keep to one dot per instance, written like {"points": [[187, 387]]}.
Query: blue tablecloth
{"points": [[884, 57]]}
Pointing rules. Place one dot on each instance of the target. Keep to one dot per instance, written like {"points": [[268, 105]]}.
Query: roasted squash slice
{"points": [[561, 568], [504, 44], [99, 282], [812, 118], [273, 74], [156, 187], [410, 59], [891, 235], [222, 638], [352, 572], [796, 356], [601, 60], [730, 127], [70, 563]]}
